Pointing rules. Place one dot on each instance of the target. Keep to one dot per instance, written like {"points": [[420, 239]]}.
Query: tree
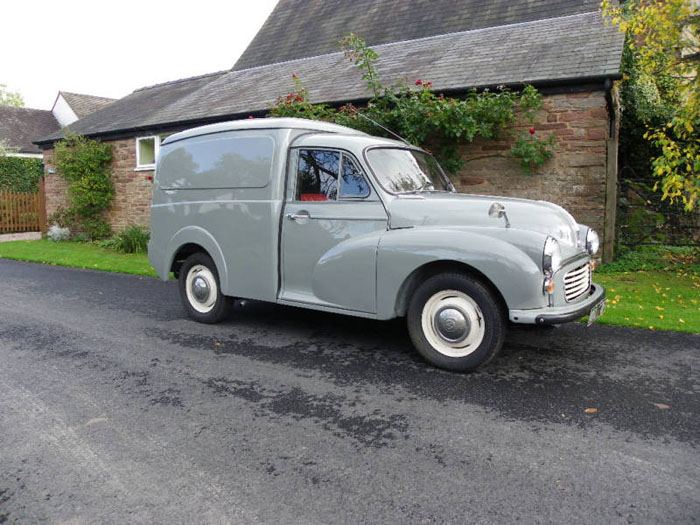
{"points": [[10, 98], [663, 38]]}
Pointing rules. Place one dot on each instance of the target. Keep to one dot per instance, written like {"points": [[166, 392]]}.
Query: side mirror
{"points": [[497, 210]]}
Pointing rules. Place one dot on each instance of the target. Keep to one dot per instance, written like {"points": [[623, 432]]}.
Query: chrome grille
{"points": [[577, 282]]}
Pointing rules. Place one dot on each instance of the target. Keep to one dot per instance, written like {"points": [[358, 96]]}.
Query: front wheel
{"points": [[200, 290], [455, 322]]}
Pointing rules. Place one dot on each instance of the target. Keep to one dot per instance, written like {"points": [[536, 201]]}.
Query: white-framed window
{"points": [[147, 152]]}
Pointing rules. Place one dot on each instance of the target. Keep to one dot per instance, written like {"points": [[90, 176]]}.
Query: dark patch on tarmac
{"points": [[373, 430]]}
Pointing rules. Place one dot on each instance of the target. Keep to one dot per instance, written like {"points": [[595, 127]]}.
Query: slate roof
{"points": [[306, 28], [19, 127], [572, 47], [83, 105]]}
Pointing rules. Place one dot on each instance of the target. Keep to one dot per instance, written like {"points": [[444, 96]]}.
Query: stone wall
{"points": [[575, 178]]}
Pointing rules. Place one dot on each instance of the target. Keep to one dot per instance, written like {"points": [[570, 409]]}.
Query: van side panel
{"points": [[225, 188]]}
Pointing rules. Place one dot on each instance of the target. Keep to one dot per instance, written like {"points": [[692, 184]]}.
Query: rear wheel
{"points": [[200, 290], [455, 322]]}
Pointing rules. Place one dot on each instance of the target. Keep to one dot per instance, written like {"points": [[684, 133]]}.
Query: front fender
{"points": [[508, 267], [197, 235]]}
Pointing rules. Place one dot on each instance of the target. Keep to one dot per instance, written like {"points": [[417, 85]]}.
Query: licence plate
{"points": [[596, 312]]}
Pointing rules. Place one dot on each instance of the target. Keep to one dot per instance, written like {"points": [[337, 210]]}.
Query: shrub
{"points": [[19, 175], [56, 234], [62, 217], [654, 258], [133, 239], [108, 244]]}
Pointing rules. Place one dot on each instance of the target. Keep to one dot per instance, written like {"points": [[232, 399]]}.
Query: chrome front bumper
{"points": [[560, 314]]}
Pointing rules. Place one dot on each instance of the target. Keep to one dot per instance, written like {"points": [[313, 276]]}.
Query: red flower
{"points": [[150, 177], [428, 84], [250, 116], [419, 82], [294, 75], [531, 131]]}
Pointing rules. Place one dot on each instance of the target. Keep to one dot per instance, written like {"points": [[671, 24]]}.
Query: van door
{"points": [[331, 226]]}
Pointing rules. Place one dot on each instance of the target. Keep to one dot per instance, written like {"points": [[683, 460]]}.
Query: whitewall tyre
{"points": [[200, 290], [455, 322]]}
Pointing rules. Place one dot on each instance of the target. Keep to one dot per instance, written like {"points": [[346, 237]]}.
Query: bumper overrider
{"points": [[563, 314]]}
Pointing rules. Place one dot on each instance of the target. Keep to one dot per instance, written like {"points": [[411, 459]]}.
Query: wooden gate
{"points": [[23, 212]]}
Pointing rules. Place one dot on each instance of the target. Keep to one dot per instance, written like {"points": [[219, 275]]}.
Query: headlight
{"points": [[592, 241], [551, 256]]}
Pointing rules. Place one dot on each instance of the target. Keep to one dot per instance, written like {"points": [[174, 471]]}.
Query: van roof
{"points": [[358, 142], [264, 123]]}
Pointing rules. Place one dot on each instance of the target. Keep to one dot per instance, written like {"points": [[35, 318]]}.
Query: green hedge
{"points": [[18, 174]]}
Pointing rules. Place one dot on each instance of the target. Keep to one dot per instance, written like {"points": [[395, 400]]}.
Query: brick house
{"points": [[562, 47]]}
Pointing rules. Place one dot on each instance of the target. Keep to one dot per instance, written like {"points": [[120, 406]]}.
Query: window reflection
{"points": [[353, 184], [317, 176], [403, 170]]}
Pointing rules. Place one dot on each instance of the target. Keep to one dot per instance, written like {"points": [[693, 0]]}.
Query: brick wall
{"points": [[132, 189], [575, 178], [132, 195], [55, 187]]}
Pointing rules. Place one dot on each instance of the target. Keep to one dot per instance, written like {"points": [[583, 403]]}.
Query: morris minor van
{"points": [[319, 216]]}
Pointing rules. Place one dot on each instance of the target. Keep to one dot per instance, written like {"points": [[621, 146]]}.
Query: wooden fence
{"points": [[23, 212]]}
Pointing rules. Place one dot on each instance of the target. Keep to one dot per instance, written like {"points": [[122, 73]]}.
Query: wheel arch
{"points": [[182, 254], [191, 240], [428, 270]]}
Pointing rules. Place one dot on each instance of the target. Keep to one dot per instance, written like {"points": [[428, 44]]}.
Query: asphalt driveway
{"points": [[115, 408]]}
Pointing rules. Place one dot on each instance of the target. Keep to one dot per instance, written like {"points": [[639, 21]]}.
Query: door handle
{"points": [[297, 216]]}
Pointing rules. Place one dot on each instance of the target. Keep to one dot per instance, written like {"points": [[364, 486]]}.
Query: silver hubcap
{"points": [[200, 288], [452, 324]]}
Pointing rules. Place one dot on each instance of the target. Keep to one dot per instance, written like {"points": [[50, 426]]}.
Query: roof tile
{"points": [[20, 126], [83, 105], [286, 35]]}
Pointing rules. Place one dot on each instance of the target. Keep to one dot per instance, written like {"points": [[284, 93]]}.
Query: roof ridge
{"points": [[424, 38], [170, 82], [490, 28]]}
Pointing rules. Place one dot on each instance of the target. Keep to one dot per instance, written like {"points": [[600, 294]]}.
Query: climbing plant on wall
{"points": [[85, 165], [425, 118]]}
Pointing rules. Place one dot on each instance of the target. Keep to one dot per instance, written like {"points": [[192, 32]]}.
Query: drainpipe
{"points": [[610, 178], [611, 106]]}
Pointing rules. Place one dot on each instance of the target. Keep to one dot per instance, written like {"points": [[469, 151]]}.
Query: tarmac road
{"points": [[115, 408]]}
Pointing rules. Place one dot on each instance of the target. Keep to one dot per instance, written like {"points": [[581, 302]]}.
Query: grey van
{"points": [[320, 216]]}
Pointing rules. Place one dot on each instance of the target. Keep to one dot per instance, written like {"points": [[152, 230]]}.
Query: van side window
{"points": [[352, 184], [317, 175]]}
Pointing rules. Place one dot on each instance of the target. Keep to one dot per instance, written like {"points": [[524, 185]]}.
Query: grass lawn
{"points": [[647, 292], [76, 255], [657, 300]]}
